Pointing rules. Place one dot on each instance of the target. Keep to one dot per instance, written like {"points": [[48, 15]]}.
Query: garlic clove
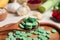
{"points": [[24, 10], [36, 15], [12, 7], [2, 11]]}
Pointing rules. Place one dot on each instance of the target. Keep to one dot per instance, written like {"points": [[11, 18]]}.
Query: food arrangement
{"points": [[29, 27], [56, 12], [42, 34], [29, 23]]}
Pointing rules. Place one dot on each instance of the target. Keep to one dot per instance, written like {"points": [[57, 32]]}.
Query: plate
{"points": [[47, 26]]}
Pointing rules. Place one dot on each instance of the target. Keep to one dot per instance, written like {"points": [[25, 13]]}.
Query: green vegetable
{"points": [[41, 9], [56, 7], [47, 5], [59, 4]]}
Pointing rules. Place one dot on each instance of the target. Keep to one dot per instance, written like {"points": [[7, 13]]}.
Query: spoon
{"points": [[13, 26]]}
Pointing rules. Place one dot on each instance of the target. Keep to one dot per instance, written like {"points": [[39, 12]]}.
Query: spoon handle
{"points": [[10, 27]]}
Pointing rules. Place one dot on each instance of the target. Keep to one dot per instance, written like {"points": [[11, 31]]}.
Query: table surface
{"points": [[14, 19]]}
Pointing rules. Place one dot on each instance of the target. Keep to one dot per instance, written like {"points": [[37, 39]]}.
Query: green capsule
{"points": [[22, 23], [29, 38], [24, 35], [21, 26], [32, 20], [35, 38], [29, 24], [35, 24], [42, 37], [36, 33], [24, 38], [54, 31], [39, 39], [40, 28], [7, 38], [29, 34], [12, 38], [26, 20], [44, 34], [28, 27], [21, 38], [17, 32], [17, 36], [48, 32], [10, 33], [48, 36]]}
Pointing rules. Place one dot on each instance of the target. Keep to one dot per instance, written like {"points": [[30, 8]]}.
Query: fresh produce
{"points": [[36, 15], [12, 7], [3, 3], [56, 12], [21, 35], [23, 10], [47, 5], [28, 23]]}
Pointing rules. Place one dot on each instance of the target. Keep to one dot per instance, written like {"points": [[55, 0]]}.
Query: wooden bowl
{"points": [[35, 6], [50, 26], [54, 19], [3, 16], [47, 26]]}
